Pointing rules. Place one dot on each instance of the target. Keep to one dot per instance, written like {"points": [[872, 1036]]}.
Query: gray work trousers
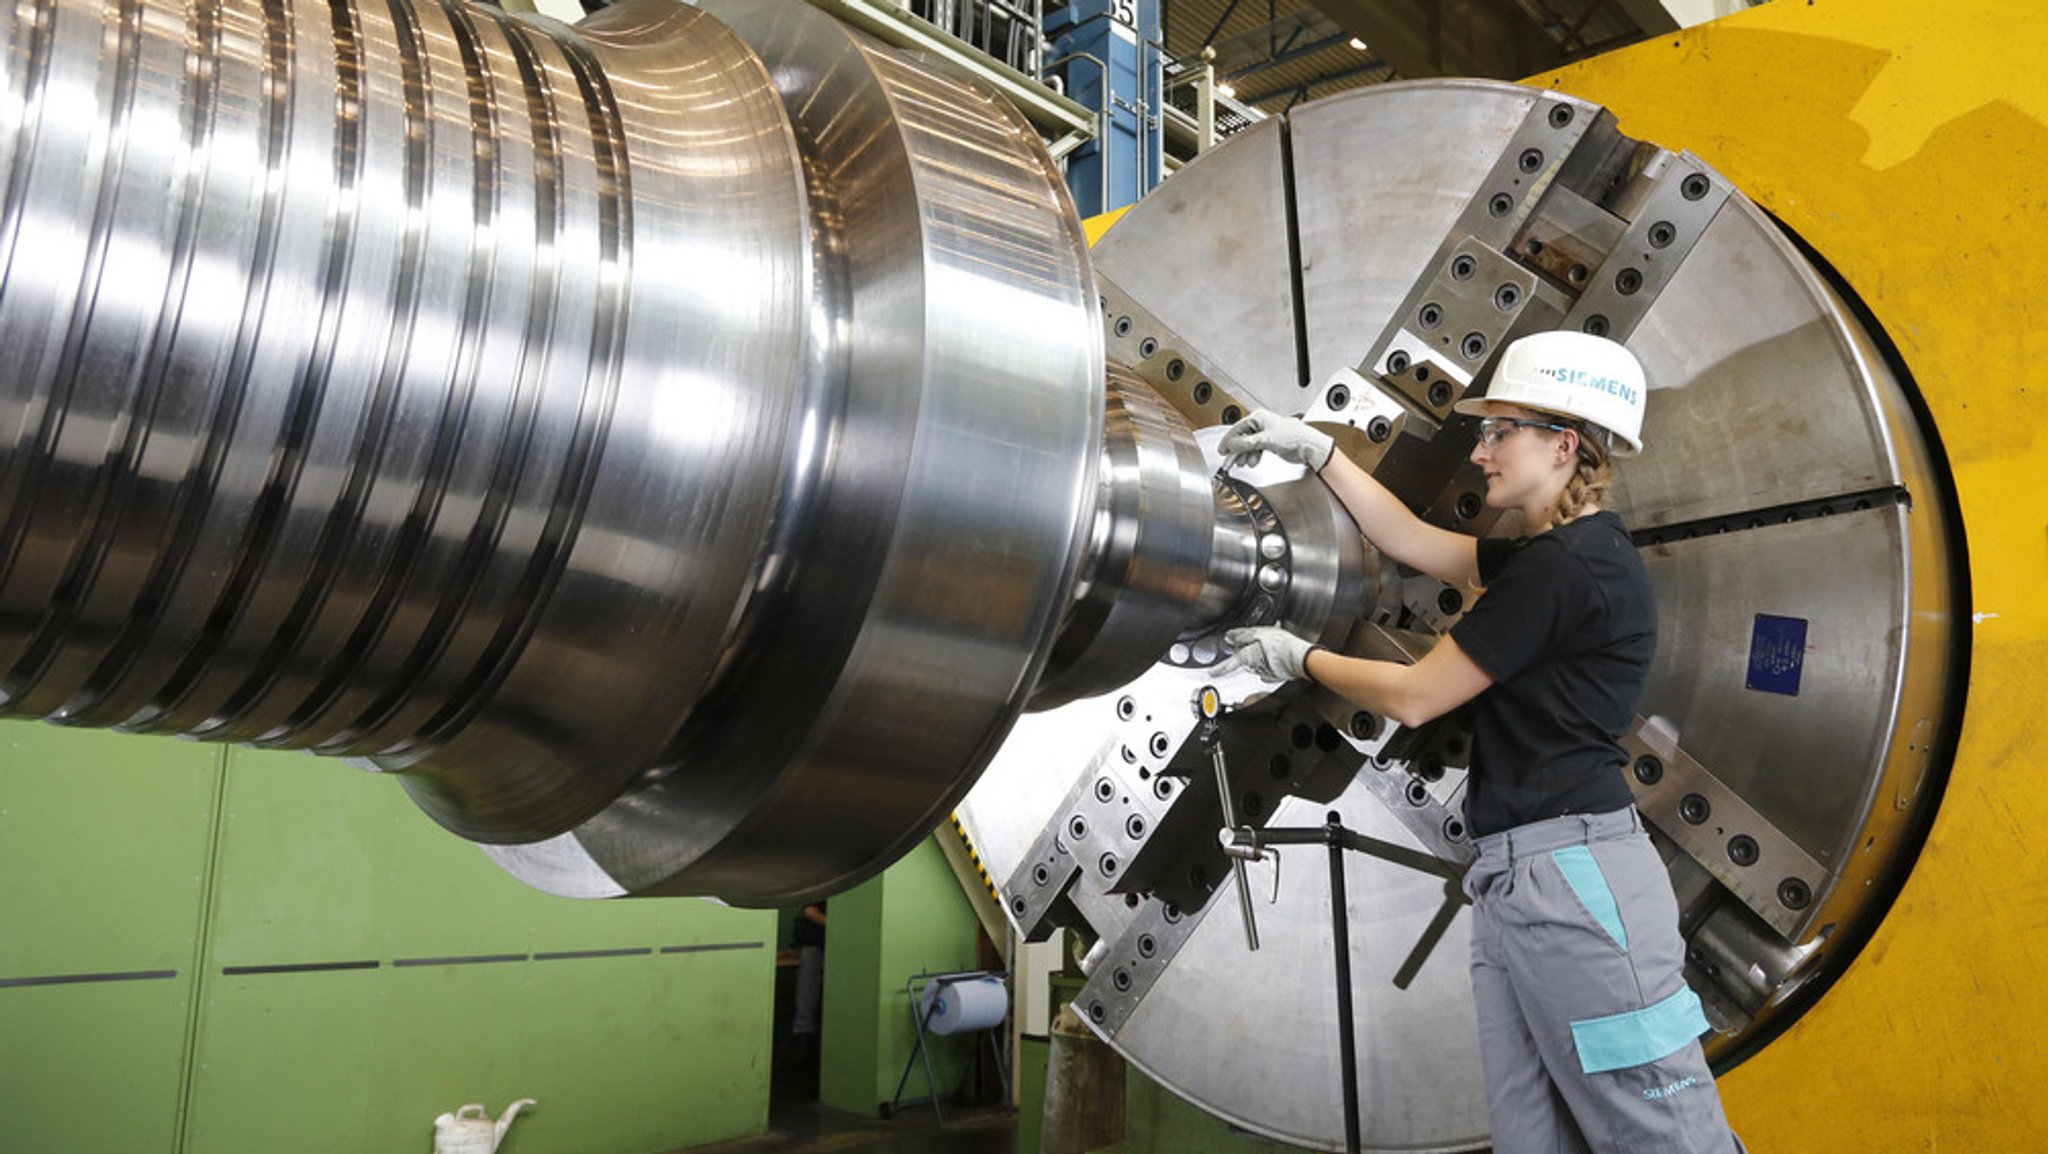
{"points": [[1588, 1034]]}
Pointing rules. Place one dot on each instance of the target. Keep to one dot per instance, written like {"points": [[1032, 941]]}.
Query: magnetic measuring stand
{"points": [[1243, 844]]}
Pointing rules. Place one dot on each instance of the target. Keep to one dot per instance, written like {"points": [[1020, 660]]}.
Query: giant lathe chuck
{"points": [[1361, 262]]}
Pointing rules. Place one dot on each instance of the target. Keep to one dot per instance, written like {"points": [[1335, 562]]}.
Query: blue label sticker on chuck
{"points": [[1777, 654]]}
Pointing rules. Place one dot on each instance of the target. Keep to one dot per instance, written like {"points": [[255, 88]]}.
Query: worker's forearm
{"points": [[1379, 687]]}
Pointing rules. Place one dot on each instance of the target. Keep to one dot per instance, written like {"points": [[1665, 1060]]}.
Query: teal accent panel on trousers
{"points": [[1620, 1041], [1582, 871]]}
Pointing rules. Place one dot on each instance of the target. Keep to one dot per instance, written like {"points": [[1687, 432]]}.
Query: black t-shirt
{"points": [[1566, 629], [808, 932]]}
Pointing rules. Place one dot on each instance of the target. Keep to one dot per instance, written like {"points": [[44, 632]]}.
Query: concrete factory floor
{"points": [[797, 1124], [796, 1127]]}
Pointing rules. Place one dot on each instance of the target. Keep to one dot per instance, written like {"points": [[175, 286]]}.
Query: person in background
{"points": [[1589, 1035], [809, 939]]}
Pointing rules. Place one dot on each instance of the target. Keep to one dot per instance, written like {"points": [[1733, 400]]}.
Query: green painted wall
{"points": [[912, 918], [214, 868]]}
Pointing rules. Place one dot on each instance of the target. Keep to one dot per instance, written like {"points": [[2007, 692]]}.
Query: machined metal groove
{"points": [[565, 511], [1772, 515], [1295, 295]]}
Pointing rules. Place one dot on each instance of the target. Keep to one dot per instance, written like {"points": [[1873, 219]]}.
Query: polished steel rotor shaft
{"points": [[668, 442]]}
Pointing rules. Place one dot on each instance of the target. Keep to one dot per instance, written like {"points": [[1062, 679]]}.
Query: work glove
{"points": [[1289, 438], [1271, 652]]}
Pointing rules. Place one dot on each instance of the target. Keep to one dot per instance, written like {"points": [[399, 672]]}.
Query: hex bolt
{"points": [[1440, 394], [1281, 767], [1469, 505], [1171, 913], [1123, 326], [1454, 829], [1231, 413], [1577, 274], [1449, 601], [1272, 578], [1105, 789], [1096, 1011], [1040, 875], [1017, 906], [1162, 788], [1649, 770], [1338, 398], [1121, 979], [1506, 297], [1794, 894], [1431, 315], [1596, 324], [1135, 827], [1130, 755], [1146, 348], [1628, 281], [1161, 745], [1302, 735], [1662, 234], [1474, 346], [1174, 369], [1364, 726], [1462, 267], [1500, 205], [1379, 429], [1694, 809], [1272, 546], [1077, 827], [1694, 187], [1560, 115], [1422, 372], [1126, 707], [1418, 793], [1107, 864], [1429, 767], [1203, 392], [1397, 362], [1742, 850], [1147, 945], [1530, 160]]}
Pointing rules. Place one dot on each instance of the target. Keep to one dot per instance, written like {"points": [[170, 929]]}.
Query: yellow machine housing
{"points": [[1906, 144]]}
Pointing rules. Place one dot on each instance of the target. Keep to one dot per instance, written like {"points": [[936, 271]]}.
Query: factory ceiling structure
{"points": [[1279, 53]]}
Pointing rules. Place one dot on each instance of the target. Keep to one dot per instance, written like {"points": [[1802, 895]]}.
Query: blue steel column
{"points": [[1107, 53]]}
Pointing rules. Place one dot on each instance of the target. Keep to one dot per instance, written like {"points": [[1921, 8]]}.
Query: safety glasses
{"points": [[1494, 430]]}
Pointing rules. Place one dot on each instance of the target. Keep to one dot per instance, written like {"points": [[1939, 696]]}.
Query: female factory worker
{"points": [[1589, 1036]]}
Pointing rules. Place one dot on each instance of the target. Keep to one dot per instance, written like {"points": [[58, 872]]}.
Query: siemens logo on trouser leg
{"points": [[1667, 1091], [1584, 379]]}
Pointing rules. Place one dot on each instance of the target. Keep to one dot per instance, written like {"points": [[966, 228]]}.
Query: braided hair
{"points": [[1590, 480]]}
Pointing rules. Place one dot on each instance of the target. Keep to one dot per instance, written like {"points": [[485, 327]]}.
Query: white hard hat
{"points": [[1574, 375]]}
